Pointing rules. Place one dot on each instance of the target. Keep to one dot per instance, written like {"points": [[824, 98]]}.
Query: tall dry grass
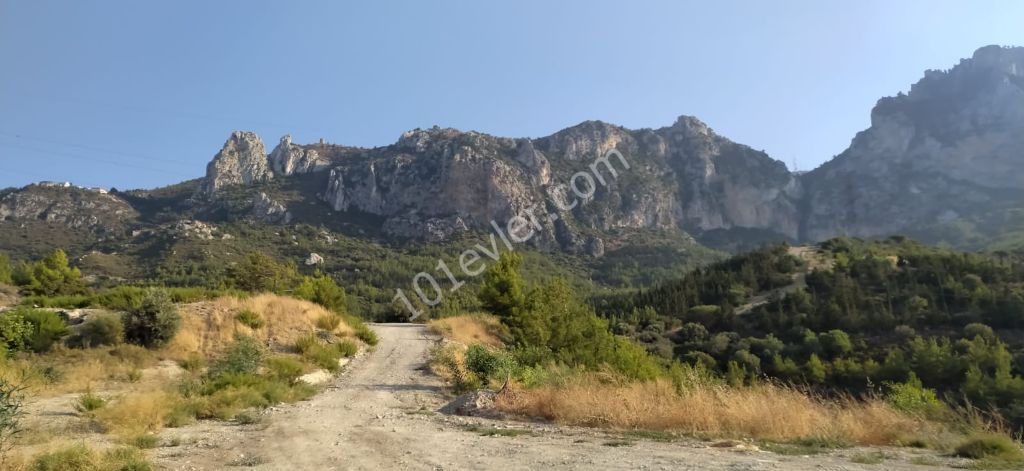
{"points": [[767, 411], [207, 327], [468, 329]]}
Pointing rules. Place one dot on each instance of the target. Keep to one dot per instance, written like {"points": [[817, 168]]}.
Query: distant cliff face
{"points": [[76, 208], [943, 163], [243, 160], [680, 177], [938, 157]]}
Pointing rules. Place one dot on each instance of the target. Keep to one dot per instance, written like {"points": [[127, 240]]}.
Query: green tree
{"points": [[50, 276], [322, 289], [814, 370], [835, 343], [259, 272], [154, 322], [502, 290]]}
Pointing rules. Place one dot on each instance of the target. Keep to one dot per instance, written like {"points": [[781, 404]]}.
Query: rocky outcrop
{"points": [[681, 177], [242, 160], [940, 160], [73, 207], [265, 209], [290, 159]]}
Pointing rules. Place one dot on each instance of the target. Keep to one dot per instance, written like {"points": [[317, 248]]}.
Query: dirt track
{"points": [[380, 414]]}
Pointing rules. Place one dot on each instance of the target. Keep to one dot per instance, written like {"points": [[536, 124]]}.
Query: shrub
{"points": [[461, 380], [364, 333], [47, 329], [11, 401], [328, 322], [347, 348], [89, 402], [989, 445], [15, 332], [322, 290], [144, 441], [243, 356], [913, 398], [481, 361], [98, 330], [193, 363], [81, 457], [73, 457], [250, 319], [154, 322], [284, 369]]}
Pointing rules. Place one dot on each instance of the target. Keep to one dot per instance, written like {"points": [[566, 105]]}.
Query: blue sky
{"points": [[137, 94]]}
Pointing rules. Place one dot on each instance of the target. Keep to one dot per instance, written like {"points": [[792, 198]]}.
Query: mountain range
{"points": [[942, 163]]}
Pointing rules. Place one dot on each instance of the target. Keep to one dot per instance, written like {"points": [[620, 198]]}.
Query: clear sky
{"points": [[137, 94]]}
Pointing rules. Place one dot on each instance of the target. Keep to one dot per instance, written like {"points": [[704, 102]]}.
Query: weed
{"points": [[875, 457], [89, 402], [250, 319]]}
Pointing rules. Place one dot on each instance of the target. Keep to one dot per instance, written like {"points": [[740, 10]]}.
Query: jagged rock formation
{"points": [[935, 163], [290, 159], [242, 160], [942, 163]]}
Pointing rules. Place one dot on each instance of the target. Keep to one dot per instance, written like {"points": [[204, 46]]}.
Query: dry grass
{"points": [[767, 412], [468, 329], [136, 414], [207, 327], [67, 370]]}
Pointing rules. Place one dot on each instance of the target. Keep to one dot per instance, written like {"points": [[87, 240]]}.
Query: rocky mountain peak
{"points": [[289, 159], [935, 158], [242, 160]]}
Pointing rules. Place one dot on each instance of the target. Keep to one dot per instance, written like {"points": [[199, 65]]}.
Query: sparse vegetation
{"points": [[89, 402], [98, 330], [249, 319]]}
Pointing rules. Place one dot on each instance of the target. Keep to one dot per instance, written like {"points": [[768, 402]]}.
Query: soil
{"points": [[381, 413]]}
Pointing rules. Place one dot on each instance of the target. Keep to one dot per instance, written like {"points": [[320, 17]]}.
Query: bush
{"points": [[243, 356], [47, 329], [328, 322], [347, 348], [913, 398], [81, 457], [989, 445], [322, 290], [89, 402], [15, 332], [250, 319], [98, 330], [284, 369], [481, 361], [12, 399], [364, 333], [154, 322], [325, 356]]}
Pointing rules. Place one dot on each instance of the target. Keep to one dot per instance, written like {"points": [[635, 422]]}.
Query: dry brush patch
{"points": [[468, 329], [208, 326], [766, 411]]}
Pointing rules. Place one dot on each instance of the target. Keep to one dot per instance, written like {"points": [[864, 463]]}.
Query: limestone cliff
{"points": [[936, 163]]}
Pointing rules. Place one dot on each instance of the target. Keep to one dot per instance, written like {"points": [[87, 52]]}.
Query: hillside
{"points": [[846, 315]]}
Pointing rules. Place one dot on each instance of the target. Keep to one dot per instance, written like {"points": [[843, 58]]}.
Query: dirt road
{"points": [[380, 414]]}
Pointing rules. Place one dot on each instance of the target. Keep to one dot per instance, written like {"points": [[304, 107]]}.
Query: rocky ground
{"points": [[382, 414]]}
